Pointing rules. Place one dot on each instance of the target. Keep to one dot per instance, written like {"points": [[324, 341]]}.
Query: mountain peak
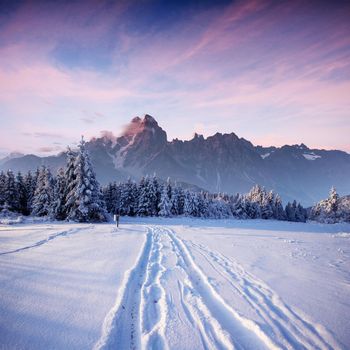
{"points": [[198, 136], [136, 120], [138, 125], [149, 119]]}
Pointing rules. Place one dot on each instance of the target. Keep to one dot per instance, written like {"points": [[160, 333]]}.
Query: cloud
{"points": [[87, 120], [108, 135], [91, 117], [243, 65], [44, 134], [48, 149]]}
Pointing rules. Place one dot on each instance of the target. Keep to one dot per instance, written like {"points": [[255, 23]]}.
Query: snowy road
{"points": [[151, 286]]}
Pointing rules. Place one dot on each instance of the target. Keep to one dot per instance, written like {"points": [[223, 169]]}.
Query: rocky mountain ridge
{"points": [[218, 163]]}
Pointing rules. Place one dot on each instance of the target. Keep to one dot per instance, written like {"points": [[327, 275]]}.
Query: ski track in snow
{"points": [[137, 319], [140, 315], [48, 239], [289, 328]]}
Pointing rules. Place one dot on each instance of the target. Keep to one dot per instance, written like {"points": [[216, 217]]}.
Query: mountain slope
{"points": [[222, 162]]}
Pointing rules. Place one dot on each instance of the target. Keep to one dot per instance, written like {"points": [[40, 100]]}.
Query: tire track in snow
{"points": [[221, 326], [286, 326], [48, 239]]}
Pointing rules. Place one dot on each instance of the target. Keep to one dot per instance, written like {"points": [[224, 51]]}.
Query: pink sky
{"points": [[272, 72]]}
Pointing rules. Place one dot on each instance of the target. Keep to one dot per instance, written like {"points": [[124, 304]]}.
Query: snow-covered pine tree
{"points": [[300, 213], [70, 177], [85, 197], [190, 204], [30, 184], [255, 201], [267, 205], [178, 200], [278, 211], [59, 200], [165, 205], [238, 207], [111, 196], [142, 205], [291, 211], [145, 200], [255, 194], [202, 209], [252, 209], [129, 198], [11, 195], [43, 195], [155, 192], [332, 206], [124, 200], [2, 189], [108, 196], [117, 192], [327, 209], [22, 194], [222, 208]]}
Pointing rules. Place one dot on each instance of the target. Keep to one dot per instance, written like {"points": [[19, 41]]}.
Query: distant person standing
{"points": [[117, 219]]}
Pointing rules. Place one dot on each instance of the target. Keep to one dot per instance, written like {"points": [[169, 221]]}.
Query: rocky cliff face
{"points": [[222, 162]]}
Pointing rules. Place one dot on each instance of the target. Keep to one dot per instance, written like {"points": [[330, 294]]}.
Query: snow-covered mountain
{"points": [[222, 162], [12, 155]]}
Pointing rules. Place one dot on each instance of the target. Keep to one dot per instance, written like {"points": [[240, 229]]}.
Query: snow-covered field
{"points": [[175, 284]]}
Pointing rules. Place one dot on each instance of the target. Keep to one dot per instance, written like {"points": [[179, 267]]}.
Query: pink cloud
{"points": [[49, 82], [48, 149], [43, 22]]}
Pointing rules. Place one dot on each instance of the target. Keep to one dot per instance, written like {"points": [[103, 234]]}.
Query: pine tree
{"points": [[300, 214], [112, 197], [85, 198], [155, 194], [59, 200], [291, 211], [190, 204], [145, 200], [327, 210], [202, 210], [2, 189], [332, 207], [108, 196], [43, 195], [11, 195], [165, 205], [252, 209], [22, 194], [278, 211], [129, 198], [70, 179], [30, 184], [238, 207], [255, 194]]}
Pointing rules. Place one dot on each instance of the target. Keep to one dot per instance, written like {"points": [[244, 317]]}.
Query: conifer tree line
{"points": [[74, 194], [151, 197]]}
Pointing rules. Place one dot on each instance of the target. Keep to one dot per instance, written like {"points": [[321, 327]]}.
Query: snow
{"points": [[311, 156], [175, 283], [342, 234], [119, 157], [263, 156]]}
